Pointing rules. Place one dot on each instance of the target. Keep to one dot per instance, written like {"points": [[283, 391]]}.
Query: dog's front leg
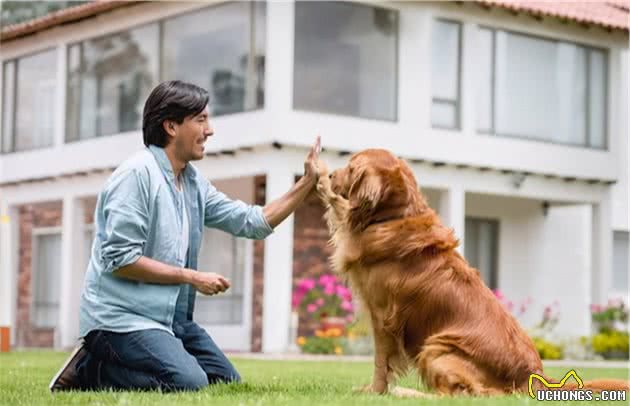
{"points": [[384, 350], [337, 206]]}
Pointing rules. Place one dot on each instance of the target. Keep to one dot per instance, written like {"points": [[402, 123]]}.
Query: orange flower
{"points": [[319, 333], [338, 350], [301, 341]]}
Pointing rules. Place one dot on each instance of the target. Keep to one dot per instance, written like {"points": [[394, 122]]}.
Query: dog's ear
{"points": [[364, 195]]}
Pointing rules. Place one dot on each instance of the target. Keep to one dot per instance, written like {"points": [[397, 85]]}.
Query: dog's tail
{"points": [[598, 385], [543, 382]]}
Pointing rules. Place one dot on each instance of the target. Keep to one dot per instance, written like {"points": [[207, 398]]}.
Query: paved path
{"points": [[367, 358]]}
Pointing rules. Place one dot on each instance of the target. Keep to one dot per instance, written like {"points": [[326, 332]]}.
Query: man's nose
{"points": [[330, 175]]}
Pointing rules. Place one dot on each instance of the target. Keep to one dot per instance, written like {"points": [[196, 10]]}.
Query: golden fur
{"points": [[429, 309]]}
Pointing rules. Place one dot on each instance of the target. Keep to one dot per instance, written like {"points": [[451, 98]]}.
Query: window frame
{"points": [[496, 224], [458, 102], [396, 116], [588, 49], [15, 61], [67, 49], [237, 245], [37, 232]]}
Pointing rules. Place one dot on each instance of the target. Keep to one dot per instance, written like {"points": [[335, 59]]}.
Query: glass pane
{"points": [[445, 60], [485, 73], [480, 245], [571, 95], [345, 59], [73, 93], [526, 91], [36, 92], [8, 88], [597, 99], [224, 254], [540, 89], [213, 56], [444, 115], [258, 78], [620, 261], [46, 280], [110, 80]]}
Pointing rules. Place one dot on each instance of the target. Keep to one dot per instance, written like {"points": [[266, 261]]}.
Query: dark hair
{"points": [[173, 100]]}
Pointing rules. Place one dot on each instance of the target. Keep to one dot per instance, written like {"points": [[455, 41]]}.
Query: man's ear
{"points": [[364, 195], [169, 127]]}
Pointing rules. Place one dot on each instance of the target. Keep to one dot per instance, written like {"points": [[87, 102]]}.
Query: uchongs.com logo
{"points": [[555, 391]]}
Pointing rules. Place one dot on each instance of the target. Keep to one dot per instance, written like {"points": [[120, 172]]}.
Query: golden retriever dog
{"points": [[429, 309]]}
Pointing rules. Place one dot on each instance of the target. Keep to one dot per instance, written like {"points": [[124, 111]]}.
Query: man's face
{"points": [[191, 136]]}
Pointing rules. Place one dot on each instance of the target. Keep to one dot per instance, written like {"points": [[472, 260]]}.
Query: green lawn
{"points": [[24, 378]]}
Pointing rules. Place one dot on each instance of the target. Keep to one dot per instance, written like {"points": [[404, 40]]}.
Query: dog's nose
{"points": [[330, 175]]}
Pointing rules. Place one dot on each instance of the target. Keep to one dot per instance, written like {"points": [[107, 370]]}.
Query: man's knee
{"points": [[192, 379]]}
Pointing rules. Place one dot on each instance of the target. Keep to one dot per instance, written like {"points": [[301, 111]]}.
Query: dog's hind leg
{"points": [[449, 373]]}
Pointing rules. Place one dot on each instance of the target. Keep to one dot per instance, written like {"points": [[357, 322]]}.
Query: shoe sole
{"points": [[69, 361]]}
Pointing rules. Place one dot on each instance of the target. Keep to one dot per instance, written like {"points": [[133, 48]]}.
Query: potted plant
{"points": [[325, 299]]}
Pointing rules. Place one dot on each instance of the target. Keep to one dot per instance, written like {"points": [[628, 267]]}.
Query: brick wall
{"points": [[36, 216], [310, 250], [32, 216], [260, 185]]}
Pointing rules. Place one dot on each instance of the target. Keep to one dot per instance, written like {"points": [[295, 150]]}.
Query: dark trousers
{"points": [[154, 359]]}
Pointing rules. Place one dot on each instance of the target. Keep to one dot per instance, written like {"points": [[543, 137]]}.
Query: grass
{"points": [[24, 378]]}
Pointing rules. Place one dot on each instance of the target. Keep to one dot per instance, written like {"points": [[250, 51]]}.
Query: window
{"points": [[224, 254], [109, 79], [28, 99], [221, 49], [46, 275], [345, 59], [481, 246], [445, 59], [541, 89], [620, 261]]}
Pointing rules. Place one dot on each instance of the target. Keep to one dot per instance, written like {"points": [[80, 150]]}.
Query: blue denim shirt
{"points": [[138, 214]]}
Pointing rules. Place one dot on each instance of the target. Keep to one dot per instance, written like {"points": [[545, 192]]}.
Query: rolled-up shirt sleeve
{"points": [[125, 210], [234, 216]]}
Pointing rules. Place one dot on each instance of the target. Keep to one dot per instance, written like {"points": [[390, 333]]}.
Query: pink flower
{"points": [[349, 318], [498, 294], [311, 308], [509, 305], [344, 292], [595, 308], [329, 289], [326, 280], [297, 299], [319, 301], [306, 284], [347, 306]]}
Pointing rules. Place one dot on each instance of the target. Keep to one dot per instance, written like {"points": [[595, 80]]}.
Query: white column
{"points": [[279, 57], [453, 212], [278, 271], [601, 249], [72, 263], [9, 241]]}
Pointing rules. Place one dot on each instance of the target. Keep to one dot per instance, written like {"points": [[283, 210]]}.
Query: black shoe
{"points": [[67, 378]]}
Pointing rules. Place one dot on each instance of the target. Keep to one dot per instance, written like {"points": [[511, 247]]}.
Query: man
{"points": [[138, 297]]}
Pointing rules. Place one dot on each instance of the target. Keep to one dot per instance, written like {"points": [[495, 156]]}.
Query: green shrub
{"points": [[546, 349], [611, 344]]}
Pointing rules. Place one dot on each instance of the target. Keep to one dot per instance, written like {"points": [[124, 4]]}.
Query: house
{"points": [[513, 116]]}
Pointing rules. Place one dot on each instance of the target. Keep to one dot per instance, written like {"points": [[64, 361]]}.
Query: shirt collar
{"points": [[165, 164]]}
